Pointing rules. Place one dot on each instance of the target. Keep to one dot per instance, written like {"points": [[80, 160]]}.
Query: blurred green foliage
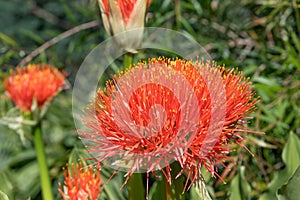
{"points": [[259, 37]]}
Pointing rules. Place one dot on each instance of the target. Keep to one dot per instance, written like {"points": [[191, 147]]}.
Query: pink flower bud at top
{"points": [[124, 15]]}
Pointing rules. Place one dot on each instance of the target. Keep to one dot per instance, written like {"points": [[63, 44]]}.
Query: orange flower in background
{"points": [[124, 15], [163, 110], [35, 82], [81, 183]]}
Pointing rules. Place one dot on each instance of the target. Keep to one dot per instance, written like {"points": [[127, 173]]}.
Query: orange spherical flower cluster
{"points": [[169, 110], [81, 183], [35, 82]]}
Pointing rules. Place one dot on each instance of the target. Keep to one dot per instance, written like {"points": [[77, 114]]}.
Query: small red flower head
{"points": [[35, 82], [166, 110], [81, 183]]}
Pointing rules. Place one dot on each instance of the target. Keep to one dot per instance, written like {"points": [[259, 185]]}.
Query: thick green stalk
{"points": [[136, 190], [127, 60], [41, 157], [175, 190]]}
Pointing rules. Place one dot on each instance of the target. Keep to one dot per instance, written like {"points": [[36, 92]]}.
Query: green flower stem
{"points": [[127, 60], [41, 157], [136, 190], [175, 190]]}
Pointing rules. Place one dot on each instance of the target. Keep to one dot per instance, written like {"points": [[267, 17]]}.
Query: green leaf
{"points": [[69, 12], [8, 40], [78, 154], [266, 81], [296, 40], [266, 87], [6, 186], [187, 25], [112, 187], [197, 6], [291, 189], [157, 191], [239, 188], [31, 188], [135, 187], [199, 191], [291, 157], [32, 35], [291, 153], [3, 196]]}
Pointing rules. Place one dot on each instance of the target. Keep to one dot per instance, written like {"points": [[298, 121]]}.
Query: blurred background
{"points": [[261, 38]]}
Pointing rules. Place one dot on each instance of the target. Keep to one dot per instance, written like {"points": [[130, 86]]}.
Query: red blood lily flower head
{"points": [[168, 110], [124, 15], [35, 82], [81, 183]]}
